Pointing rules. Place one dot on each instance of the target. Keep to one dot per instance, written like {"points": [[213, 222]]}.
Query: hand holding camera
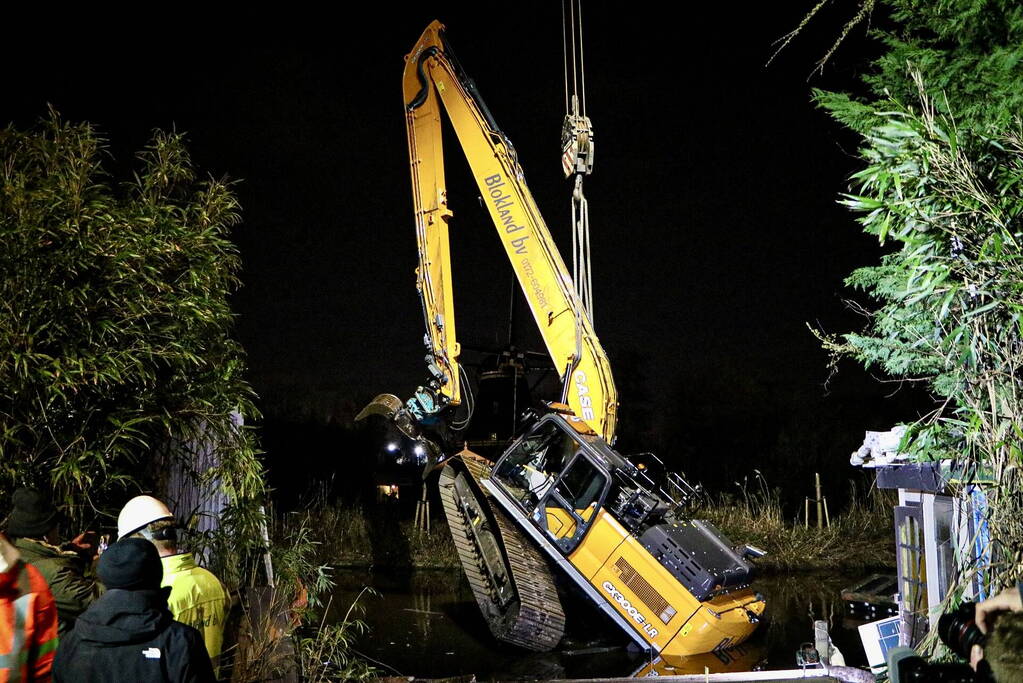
{"points": [[1006, 601], [84, 544], [965, 630]]}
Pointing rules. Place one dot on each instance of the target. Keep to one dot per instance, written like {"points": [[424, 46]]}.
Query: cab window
{"points": [[534, 463]]}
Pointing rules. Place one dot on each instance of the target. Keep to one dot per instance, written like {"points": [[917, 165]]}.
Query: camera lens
{"points": [[959, 631]]}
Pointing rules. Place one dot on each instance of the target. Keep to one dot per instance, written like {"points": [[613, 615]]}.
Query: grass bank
{"points": [[378, 537], [859, 538]]}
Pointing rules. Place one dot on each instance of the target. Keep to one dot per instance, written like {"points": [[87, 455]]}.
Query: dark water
{"points": [[427, 624]]}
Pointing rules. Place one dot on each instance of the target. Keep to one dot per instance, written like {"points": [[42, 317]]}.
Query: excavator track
{"points": [[511, 581]]}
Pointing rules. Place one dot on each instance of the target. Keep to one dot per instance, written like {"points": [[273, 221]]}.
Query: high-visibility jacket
{"points": [[28, 620], [198, 599]]}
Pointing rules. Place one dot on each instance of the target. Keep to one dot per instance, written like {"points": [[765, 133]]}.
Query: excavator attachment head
{"points": [[434, 458], [397, 413], [391, 407], [384, 404]]}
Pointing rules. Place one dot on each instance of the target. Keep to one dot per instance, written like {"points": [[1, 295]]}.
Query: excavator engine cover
{"points": [[698, 555]]}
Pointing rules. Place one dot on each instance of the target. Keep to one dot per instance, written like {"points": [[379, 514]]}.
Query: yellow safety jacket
{"points": [[198, 599]]}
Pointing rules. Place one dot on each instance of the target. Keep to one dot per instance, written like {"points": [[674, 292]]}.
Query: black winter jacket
{"points": [[130, 636]]}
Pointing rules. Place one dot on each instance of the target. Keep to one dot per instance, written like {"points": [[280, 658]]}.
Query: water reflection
{"points": [[427, 624], [746, 657]]}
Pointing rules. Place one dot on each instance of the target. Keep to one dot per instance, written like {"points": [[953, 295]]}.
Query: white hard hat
{"points": [[138, 512]]}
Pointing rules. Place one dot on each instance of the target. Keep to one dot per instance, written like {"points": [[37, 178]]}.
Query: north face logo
{"points": [[151, 653]]}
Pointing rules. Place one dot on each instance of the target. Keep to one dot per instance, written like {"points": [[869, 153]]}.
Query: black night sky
{"points": [[716, 236]]}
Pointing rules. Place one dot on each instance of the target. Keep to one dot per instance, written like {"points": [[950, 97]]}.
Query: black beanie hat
{"points": [[33, 514], [131, 564]]}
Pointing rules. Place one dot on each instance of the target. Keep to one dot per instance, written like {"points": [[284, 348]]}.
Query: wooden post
{"points": [[827, 517], [820, 510], [423, 512], [806, 513]]}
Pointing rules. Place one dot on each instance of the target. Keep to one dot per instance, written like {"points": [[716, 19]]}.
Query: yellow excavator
{"points": [[560, 505]]}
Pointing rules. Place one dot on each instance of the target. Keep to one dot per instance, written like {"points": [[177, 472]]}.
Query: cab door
{"points": [[570, 505]]}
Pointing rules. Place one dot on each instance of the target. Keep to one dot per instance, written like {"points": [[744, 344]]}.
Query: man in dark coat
{"points": [[128, 634], [32, 527]]}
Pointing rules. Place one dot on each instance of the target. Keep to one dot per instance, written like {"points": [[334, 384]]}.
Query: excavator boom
{"points": [[432, 80]]}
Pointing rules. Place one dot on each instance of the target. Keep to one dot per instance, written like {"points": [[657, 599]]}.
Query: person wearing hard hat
{"points": [[197, 597], [32, 528], [128, 635]]}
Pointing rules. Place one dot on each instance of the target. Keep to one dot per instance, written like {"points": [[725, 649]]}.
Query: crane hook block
{"points": [[577, 147]]}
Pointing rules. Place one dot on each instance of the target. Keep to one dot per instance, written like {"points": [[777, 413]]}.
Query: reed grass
{"points": [[859, 537], [352, 536]]}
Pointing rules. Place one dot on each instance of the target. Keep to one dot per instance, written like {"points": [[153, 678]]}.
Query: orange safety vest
{"points": [[28, 625]]}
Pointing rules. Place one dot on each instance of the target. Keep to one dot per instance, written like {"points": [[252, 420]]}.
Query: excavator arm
{"points": [[433, 80]]}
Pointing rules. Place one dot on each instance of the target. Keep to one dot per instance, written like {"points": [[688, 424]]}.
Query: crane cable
{"points": [[577, 149]]}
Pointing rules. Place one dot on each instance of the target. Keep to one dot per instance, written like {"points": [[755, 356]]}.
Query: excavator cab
{"points": [[613, 528], [553, 474]]}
